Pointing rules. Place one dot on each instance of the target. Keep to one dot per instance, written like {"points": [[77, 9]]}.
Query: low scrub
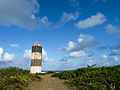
{"points": [[50, 72], [102, 78], [16, 78]]}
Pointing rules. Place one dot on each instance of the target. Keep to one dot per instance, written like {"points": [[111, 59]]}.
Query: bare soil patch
{"points": [[49, 83]]}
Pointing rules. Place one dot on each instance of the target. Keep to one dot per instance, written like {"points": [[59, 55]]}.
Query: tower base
{"points": [[35, 69]]}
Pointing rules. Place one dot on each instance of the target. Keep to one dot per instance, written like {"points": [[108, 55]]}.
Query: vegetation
{"points": [[50, 72], [15, 78], [98, 78]]}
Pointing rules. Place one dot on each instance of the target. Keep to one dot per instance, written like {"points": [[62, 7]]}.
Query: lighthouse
{"points": [[36, 58]]}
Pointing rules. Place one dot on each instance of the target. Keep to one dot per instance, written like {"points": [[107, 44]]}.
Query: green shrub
{"points": [[16, 78], [50, 72], [93, 78]]}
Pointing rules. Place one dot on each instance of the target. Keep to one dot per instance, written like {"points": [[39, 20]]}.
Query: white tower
{"points": [[36, 58]]}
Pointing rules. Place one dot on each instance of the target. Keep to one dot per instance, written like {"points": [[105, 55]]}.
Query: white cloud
{"points": [[84, 42], [27, 54], [33, 16], [69, 63], [14, 45], [104, 56], [107, 58], [85, 38], [114, 52], [8, 57], [78, 54], [112, 29], [22, 13], [43, 23], [1, 52], [78, 50], [116, 58], [45, 56], [66, 17], [18, 12], [70, 45], [92, 21]]}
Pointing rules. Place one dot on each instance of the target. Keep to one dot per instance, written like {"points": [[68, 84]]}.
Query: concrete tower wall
{"points": [[36, 59]]}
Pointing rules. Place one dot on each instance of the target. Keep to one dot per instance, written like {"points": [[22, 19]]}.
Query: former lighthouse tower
{"points": [[36, 58]]}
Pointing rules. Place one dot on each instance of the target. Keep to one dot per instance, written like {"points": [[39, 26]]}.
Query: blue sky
{"points": [[73, 33]]}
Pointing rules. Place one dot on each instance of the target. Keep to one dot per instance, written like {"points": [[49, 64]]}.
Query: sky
{"points": [[73, 33]]}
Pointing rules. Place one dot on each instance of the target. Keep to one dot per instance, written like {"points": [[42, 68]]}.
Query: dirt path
{"points": [[49, 83]]}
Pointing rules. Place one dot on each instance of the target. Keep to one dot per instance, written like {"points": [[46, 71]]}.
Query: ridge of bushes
{"points": [[98, 78], [15, 78]]}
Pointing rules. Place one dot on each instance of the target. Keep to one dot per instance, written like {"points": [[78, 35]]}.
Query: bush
{"points": [[50, 72], [93, 78], [15, 78]]}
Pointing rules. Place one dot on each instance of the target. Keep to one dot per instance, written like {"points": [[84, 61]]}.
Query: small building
{"points": [[36, 58]]}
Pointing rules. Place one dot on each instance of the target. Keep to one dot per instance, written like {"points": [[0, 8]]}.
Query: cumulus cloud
{"points": [[14, 45], [116, 58], [85, 39], [21, 13], [112, 29], [92, 21], [84, 42], [78, 54], [104, 56], [70, 45], [45, 56], [65, 18], [78, 50], [6, 56], [27, 54], [1, 52]]}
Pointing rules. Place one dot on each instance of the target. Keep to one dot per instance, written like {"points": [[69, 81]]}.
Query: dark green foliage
{"points": [[103, 78], [15, 78], [40, 73], [50, 72]]}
